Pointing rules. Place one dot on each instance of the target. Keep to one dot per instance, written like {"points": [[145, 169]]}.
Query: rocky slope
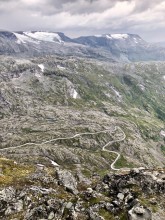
{"points": [[124, 47], [47, 192], [48, 98], [56, 115]]}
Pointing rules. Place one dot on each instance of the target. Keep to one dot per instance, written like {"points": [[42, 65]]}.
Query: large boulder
{"points": [[66, 179], [139, 213]]}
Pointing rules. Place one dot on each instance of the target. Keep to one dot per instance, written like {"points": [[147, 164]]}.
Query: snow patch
{"points": [[98, 35], [42, 67], [142, 87], [40, 165], [22, 39], [108, 36], [162, 133], [119, 36], [108, 95], [101, 75], [54, 163], [61, 67], [114, 36], [135, 40], [44, 36], [163, 77], [75, 94], [116, 92], [38, 75]]}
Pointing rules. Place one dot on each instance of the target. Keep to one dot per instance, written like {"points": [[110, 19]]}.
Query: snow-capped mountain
{"points": [[112, 47], [41, 36], [36, 43], [107, 39], [123, 46]]}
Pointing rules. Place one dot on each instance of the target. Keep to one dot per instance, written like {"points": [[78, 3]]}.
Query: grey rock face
{"points": [[51, 216], [94, 215], [139, 213], [116, 200], [7, 194], [14, 207], [126, 47], [66, 179], [120, 196], [10, 201], [69, 205]]}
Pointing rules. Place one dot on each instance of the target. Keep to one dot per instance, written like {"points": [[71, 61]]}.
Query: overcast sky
{"points": [[86, 17]]}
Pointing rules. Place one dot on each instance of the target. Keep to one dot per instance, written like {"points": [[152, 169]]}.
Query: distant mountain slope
{"points": [[110, 47], [48, 97], [125, 46]]}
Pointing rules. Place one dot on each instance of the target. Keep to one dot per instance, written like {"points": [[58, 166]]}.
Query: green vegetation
{"points": [[128, 95], [86, 173], [106, 214], [122, 162], [163, 148], [146, 203], [12, 173]]}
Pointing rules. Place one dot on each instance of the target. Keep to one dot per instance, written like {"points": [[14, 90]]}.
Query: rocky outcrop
{"points": [[139, 213], [131, 196], [11, 201], [66, 179]]}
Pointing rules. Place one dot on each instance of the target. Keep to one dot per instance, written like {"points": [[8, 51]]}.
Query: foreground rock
{"points": [[139, 212], [55, 193], [66, 179]]}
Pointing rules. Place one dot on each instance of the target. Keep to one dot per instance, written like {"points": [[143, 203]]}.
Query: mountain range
{"points": [[110, 47]]}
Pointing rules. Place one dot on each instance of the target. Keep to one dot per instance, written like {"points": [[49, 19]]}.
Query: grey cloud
{"points": [[83, 6], [145, 5], [85, 16], [50, 7]]}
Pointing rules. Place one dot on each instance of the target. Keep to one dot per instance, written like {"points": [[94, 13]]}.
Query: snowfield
{"points": [[41, 66], [117, 36], [22, 39], [162, 133], [54, 163], [114, 36], [44, 36], [75, 94]]}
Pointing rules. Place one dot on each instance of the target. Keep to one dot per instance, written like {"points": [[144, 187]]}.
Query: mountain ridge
{"points": [[111, 47]]}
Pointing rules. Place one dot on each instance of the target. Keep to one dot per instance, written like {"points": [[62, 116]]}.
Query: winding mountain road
{"points": [[109, 151], [78, 135]]}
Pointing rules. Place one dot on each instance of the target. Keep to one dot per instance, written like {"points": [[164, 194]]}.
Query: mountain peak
{"points": [[119, 36]]}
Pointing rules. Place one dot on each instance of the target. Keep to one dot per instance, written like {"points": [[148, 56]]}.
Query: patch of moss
{"points": [[146, 203], [122, 162], [94, 200], [163, 148], [86, 173], [106, 214], [123, 216], [12, 173]]}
